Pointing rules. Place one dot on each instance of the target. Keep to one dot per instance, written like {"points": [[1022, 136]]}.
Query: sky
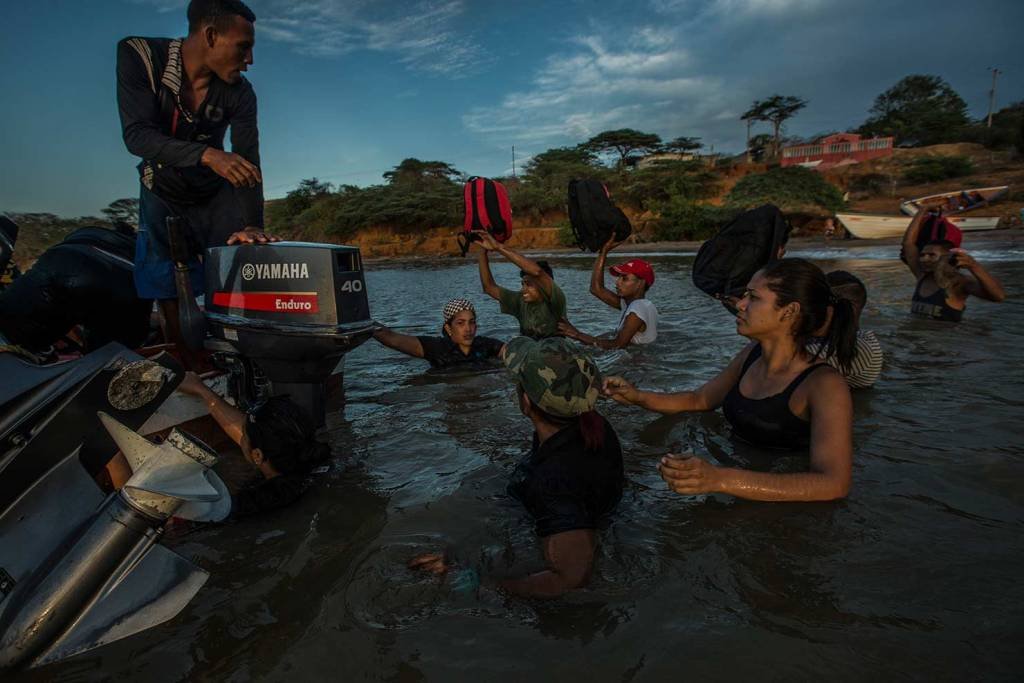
{"points": [[349, 88]]}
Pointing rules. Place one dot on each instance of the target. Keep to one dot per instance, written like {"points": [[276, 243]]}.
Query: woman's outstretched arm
{"points": [[831, 452]]}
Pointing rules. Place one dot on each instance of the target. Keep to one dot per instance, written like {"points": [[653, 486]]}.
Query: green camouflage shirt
{"points": [[538, 319]]}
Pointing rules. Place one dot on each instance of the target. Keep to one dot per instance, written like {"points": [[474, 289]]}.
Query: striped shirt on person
{"points": [[867, 360]]}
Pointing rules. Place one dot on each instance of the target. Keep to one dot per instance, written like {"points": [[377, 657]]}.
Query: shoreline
{"points": [[1010, 236]]}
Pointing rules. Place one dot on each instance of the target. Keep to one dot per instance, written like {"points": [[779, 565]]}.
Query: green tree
{"points": [[302, 197], [419, 173], [752, 116], [682, 145], [1007, 129], [759, 147], [660, 182], [543, 185], [123, 211], [775, 110], [919, 110], [625, 142]]}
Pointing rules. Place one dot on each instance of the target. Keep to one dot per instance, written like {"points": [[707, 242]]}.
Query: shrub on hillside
{"points": [[935, 168], [872, 183], [565, 236], [683, 219], [352, 208], [543, 186], [661, 181], [789, 188]]}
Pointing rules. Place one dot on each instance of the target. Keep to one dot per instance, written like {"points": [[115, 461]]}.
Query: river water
{"points": [[917, 575]]}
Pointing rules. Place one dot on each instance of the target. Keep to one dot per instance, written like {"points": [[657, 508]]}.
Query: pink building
{"points": [[836, 150]]}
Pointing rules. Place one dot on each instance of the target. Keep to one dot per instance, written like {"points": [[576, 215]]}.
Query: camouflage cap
{"points": [[557, 377]]}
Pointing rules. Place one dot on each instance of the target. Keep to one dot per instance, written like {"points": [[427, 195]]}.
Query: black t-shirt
{"points": [[565, 487], [442, 352], [267, 495]]}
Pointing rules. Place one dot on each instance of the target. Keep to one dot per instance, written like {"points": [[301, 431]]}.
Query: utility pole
{"points": [[513, 161], [992, 94]]}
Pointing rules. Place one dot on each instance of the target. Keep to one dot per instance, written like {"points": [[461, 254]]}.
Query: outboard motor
{"points": [[287, 312], [79, 569]]}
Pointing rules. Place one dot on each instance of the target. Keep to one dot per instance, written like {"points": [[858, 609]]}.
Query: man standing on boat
{"points": [[942, 290], [176, 99]]}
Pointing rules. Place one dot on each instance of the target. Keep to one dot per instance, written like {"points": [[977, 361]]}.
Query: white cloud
{"points": [[647, 82], [737, 10], [765, 7], [162, 5], [421, 36]]}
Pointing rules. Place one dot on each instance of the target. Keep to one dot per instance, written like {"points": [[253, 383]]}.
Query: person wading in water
{"points": [[774, 393], [638, 323], [941, 292]]}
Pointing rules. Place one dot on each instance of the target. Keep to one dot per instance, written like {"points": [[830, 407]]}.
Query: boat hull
{"points": [[991, 194], [872, 227]]}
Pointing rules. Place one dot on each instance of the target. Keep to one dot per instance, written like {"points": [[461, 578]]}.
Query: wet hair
{"points": [[945, 244], [545, 266], [590, 423], [846, 285], [800, 281], [218, 13], [280, 429]]}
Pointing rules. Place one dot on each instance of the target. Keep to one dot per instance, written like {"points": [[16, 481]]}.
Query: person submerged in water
{"points": [[774, 393], [941, 292], [638, 323], [572, 477], [458, 345], [866, 367], [538, 305], [275, 437]]}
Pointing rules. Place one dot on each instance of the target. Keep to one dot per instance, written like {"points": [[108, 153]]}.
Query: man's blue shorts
{"points": [[208, 224]]}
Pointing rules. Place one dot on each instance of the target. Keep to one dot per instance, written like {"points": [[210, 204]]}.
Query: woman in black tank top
{"points": [[773, 393], [768, 422]]}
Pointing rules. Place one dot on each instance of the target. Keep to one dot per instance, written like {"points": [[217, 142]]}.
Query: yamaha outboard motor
{"points": [[285, 314]]}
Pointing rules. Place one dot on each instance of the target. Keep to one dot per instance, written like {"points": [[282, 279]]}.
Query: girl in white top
{"points": [[639, 321]]}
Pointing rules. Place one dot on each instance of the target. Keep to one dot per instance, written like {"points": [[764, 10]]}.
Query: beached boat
{"points": [[872, 227], [987, 194]]}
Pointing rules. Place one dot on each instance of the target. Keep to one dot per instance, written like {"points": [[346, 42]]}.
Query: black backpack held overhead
{"points": [[487, 208], [727, 261], [593, 216]]}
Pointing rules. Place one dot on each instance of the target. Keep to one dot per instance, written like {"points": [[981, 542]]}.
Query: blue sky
{"points": [[348, 88]]}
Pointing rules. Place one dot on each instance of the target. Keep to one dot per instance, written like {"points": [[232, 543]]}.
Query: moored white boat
{"points": [[989, 195], [872, 227]]}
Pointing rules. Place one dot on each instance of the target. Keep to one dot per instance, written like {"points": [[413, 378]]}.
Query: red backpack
{"points": [[487, 208]]}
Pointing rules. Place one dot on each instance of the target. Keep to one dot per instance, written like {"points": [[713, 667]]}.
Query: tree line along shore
{"points": [[685, 193]]}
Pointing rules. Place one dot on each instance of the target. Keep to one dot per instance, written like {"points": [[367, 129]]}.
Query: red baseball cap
{"points": [[642, 269]]}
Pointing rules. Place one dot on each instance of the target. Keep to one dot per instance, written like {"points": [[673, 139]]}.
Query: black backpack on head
{"points": [[727, 261], [593, 216]]}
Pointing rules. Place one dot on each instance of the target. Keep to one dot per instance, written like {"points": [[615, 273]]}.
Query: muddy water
{"points": [[917, 575]]}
